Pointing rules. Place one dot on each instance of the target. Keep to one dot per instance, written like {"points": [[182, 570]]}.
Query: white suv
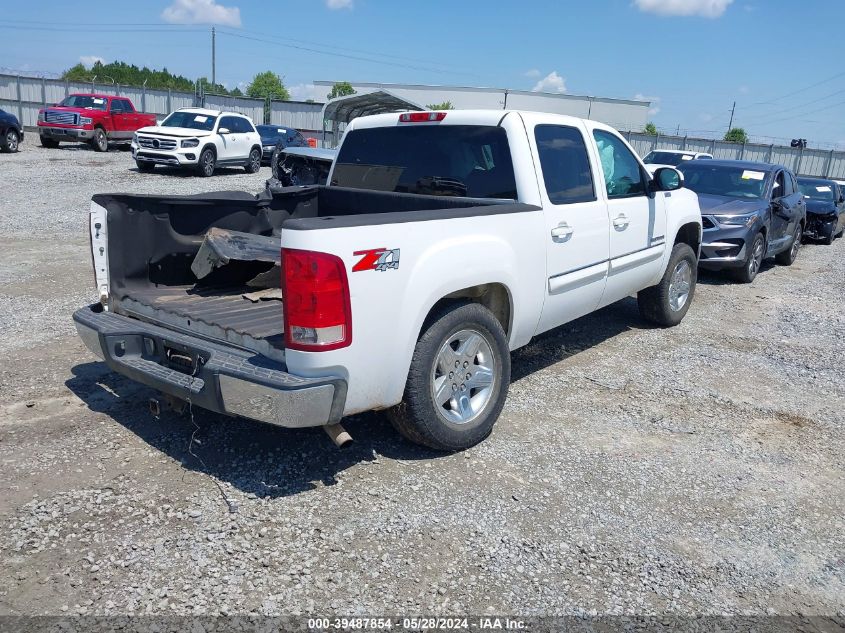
{"points": [[199, 138]]}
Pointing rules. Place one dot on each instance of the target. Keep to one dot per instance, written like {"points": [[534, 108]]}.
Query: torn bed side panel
{"points": [[220, 246]]}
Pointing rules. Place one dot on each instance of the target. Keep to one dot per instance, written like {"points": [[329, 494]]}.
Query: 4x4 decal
{"points": [[376, 259]]}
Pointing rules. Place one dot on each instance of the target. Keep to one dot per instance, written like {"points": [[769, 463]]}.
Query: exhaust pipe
{"points": [[338, 434]]}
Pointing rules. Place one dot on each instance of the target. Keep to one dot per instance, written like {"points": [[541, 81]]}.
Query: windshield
{"points": [[190, 120], [448, 160], [83, 101], [724, 180], [817, 190], [666, 158]]}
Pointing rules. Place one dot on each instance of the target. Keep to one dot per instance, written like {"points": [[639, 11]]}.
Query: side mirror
{"points": [[223, 130], [667, 179]]}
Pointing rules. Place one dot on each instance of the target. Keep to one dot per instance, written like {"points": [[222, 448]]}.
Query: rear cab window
{"points": [[565, 164], [443, 160]]}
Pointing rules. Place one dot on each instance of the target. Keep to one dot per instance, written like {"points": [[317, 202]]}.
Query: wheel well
{"points": [[210, 146], [258, 147], [689, 234], [494, 296]]}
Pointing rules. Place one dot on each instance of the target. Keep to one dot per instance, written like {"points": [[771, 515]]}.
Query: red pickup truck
{"points": [[95, 118]]}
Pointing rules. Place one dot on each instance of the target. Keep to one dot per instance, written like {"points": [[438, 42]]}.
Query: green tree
{"points": [[341, 89], [650, 128], [446, 105], [736, 135], [268, 85]]}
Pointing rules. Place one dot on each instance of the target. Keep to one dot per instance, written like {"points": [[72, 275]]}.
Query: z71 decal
{"points": [[376, 259]]}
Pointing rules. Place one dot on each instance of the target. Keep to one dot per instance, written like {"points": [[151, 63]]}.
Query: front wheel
{"points": [[11, 142], [458, 380], [253, 164], [752, 264], [785, 258], [667, 303], [206, 164], [100, 142]]}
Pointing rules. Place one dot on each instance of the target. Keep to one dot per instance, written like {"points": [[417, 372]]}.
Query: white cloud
{"points": [[201, 12], [339, 4], [702, 8], [304, 92], [550, 83], [655, 102], [533, 73], [89, 60]]}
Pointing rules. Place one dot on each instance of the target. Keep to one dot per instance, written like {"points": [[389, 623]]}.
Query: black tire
{"points": [[785, 258], [145, 166], [100, 142], [253, 163], [419, 418], [752, 264], [48, 142], [11, 142], [206, 163], [667, 303]]}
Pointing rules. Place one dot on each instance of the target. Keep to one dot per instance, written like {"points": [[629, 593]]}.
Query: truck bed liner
{"points": [[217, 313]]}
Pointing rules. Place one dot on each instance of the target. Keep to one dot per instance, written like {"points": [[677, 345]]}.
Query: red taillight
{"points": [[315, 298], [421, 117]]}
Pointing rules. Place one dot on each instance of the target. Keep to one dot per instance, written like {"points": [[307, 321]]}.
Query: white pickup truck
{"points": [[442, 241]]}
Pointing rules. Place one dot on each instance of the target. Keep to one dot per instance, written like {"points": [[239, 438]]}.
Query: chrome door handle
{"points": [[620, 222], [562, 232]]}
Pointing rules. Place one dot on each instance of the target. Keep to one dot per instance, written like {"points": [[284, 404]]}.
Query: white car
{"points": [[443, 241], [200, 139], [671, 158]]}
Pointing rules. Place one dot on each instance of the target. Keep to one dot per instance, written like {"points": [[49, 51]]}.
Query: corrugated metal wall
{"points": [[806, 162], [24, 96], [253, 108], [303, 116]]}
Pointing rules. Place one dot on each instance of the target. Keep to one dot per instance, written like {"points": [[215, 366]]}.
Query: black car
{"points": [[749, 211], [273, 135], [11, 132], [825, 208]]}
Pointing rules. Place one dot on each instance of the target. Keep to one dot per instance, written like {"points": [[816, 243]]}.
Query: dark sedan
{"points": [[825, 208], [273, 135], [750, 211], [11, 132]]}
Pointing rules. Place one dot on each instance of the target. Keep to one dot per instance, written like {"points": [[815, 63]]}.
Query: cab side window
{"points": [[565, 164], [788, 184], [127, 106], [117, 106], [229, 123], [623, 177], [778, 186]]}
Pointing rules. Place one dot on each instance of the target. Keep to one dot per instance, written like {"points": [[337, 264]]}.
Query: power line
{"points": [[795, 92]]}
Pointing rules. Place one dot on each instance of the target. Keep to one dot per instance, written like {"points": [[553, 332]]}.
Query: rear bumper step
{"points": [[212, 376]]}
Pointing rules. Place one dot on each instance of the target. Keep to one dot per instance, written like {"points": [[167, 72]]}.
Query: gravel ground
{"points": [[697, 470]]}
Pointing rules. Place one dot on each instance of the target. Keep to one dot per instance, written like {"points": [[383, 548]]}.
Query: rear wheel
{"points": [[48, 142], [253, 164], [753, 261], [11, 142], [667, 303], [785, 258], [207, 162], [458, 380], [100, 142], [145, 166]]}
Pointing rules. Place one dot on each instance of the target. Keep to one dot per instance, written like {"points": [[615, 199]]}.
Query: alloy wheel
{"points": [[679, 285], [464, 376]]}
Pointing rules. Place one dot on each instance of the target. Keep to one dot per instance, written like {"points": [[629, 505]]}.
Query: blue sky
{"points": [[781, 60]]}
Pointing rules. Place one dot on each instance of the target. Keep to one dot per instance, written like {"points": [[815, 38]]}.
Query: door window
{"points": [[243, 126], [117, 107], [229, 123], [623, 177], [127, 106], [565, 164], [778, 187]]}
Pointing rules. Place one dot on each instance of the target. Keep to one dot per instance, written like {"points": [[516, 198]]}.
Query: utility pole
{"points": [[730, 125], [213, 58]]}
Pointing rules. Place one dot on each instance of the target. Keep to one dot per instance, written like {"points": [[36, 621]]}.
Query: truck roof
{"points": [[96, 95], [461, 117]]}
